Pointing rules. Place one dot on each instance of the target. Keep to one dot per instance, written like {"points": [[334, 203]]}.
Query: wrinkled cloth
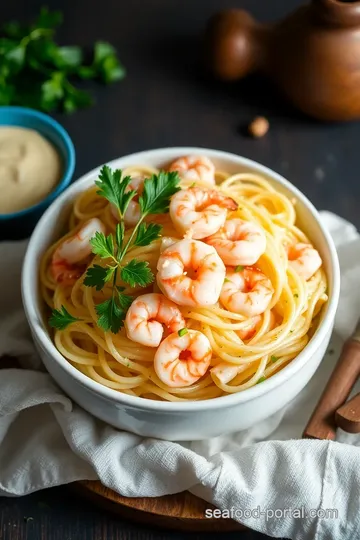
{"points": [[265, 477]]}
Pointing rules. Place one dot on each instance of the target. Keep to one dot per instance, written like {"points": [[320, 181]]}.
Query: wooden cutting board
{"points": [[182, 511]]}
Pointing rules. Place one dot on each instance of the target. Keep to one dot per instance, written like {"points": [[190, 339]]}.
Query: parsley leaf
{"points": [[103, 245], [112, 187], [52, 91], [68, 57], [273, 359], [158, 190], [48, 19], [61, 318], [111, 315], [75, 98], [262, 379], [13, 29], [97, 276], [137, 273], [106, 64], [112, 312], [125, 300], [41, 71], [147, 234], [16, 56]]}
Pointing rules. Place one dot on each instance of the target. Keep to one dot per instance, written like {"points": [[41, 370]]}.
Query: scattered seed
{"points": [[259, 127]]}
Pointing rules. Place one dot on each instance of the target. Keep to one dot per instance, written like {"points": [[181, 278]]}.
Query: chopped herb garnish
{"points": [[262, 379], [296, 295], [155, 199], [273, 359], [239, 268], [183, 332], [226, 280]]}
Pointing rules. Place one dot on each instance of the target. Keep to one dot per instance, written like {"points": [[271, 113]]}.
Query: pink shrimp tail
{"points": [[64, 273]]}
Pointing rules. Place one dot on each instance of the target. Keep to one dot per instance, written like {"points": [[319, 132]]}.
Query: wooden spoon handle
{"points": [[322, 422], [348, 416]]}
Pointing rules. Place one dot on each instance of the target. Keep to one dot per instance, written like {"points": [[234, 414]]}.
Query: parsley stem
{"points": [[127, 245], [113, 258], [114, 282]]}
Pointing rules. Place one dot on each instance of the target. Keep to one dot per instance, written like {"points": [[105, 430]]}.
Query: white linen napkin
{"points": [[46, 440]]}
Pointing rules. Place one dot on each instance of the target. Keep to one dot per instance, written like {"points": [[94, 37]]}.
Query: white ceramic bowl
{"points": [[190, 420]]}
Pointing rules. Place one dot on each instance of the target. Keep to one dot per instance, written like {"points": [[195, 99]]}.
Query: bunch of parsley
{"points": [[155, 199], [36, 72]]}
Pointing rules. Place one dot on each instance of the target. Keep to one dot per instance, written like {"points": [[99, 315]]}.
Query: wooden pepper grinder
{"points": [[313, 56]]}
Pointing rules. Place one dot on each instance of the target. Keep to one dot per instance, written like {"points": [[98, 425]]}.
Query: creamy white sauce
{"points": [[30, 168]]}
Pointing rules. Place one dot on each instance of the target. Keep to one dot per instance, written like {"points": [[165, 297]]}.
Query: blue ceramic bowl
{"points": [[20, 224]]}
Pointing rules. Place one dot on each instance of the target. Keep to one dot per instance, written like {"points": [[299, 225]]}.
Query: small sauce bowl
{"points": [[20, 224]]}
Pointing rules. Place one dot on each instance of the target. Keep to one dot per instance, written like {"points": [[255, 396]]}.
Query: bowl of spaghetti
{"points": [[181, 293]]}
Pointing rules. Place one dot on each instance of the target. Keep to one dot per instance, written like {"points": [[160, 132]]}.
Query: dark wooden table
{"points": [[167, 101]]}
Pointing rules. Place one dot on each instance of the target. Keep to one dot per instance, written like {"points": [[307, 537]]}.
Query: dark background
{"points": [[166, 100]]}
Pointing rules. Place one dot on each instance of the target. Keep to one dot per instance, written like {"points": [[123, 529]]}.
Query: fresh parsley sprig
{"points": [[36, 72], [111, 249]]}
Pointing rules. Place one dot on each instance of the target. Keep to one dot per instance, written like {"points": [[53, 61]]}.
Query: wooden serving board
{"points": [[182, 511]]}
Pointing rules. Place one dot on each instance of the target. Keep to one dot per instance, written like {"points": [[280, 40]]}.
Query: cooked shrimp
{"points": [[304, 259], [203, 211], [195, 168], [65, 261], [247, 292], [239, 242], [190, 273], [167, 241], [182, 360], [132, 214], [224, 371], [250, 328], [148, 315]]}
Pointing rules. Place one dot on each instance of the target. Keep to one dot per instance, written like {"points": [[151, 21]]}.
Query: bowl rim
{"points": [[29, 300], [69, 150]]}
